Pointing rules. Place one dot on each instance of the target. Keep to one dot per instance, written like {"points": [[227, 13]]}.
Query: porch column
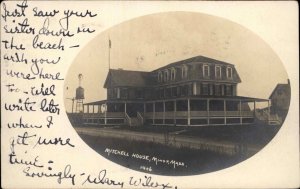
{"points": [[175, 110], [125, 112], [93, 108], [99, 108], [88, 108], [189, 112], [254, 113], [241, 119], [153, 112], [164, 113], [225, 116], [105, 114], [207, 107]]}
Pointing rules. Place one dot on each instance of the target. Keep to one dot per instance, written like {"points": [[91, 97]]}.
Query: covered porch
{"points": [[112, 112], [188, 111], [199, 111]]}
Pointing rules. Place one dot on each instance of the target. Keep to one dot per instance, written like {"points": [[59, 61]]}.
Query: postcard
{"points": [[142, 94]]}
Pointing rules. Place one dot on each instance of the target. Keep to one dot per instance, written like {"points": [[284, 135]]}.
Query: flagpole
{"points": [[106, 104], [109, 47]]}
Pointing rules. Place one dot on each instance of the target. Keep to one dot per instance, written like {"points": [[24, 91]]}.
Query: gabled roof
{"points": [[126, 78], [202, 59], [129, 78], [283, 87]]}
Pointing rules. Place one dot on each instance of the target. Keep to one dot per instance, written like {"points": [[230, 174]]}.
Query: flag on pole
{"points": [[109, 47]]}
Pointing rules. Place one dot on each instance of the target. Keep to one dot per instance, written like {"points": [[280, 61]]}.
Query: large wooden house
{"points": [[198, 91]]}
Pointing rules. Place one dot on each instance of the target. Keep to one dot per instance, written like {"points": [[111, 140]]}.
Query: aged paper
{"points": [[98, 94]]}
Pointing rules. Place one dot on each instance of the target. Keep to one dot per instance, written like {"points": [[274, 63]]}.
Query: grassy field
{"points": [[195, 161], [258, 135]]}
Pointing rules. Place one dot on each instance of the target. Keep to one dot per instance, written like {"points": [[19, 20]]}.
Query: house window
{"points": [[116, 93], [190, 89], [161, 93], [194, 88], [157, 93], [166, 75], [184, 90], [184, 71], [218, 73], [233, 90], [124, 93], [110, 93], [178, 90], [228, 90], [139, 93], [229, 72], [174, 91], [206, 70], [211, 89], [204, 89], [222, 90], [160, 76], [168, 92], [173, 74], [217, 90]]}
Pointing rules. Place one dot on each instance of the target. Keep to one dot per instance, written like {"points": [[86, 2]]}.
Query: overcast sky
{"points": [[149, 42]]}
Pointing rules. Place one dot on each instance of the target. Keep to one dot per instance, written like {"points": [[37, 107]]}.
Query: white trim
{"points": [[173, 74], [220, 72], [203, 70], [184, 71], [160, 76], [227, 72], [166, 75], [194, 88]]}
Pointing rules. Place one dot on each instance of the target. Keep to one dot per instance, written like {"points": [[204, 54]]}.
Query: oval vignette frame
{"points": [[182, 95]]}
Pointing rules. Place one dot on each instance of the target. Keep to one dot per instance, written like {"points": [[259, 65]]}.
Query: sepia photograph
{"points": [[177, 93]]}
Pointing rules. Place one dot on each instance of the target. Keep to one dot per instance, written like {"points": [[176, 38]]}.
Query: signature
{"points": [[61, 175], [102, 179]]}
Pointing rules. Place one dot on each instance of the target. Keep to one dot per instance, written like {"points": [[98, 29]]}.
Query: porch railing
{"points": [[128, 119], [169, 114], [198, 113], [233, 113], [140, 117], [179, 114], [148, 115], [159, 115], [102, 115], [216, 113]]}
